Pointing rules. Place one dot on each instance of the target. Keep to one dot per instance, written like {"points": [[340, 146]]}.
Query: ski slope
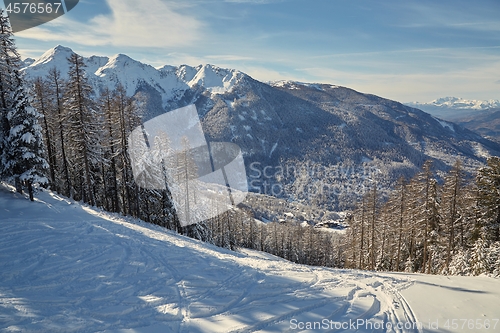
{"points": [[66, 267]]}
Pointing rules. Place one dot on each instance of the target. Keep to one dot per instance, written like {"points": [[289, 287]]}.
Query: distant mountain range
{"points": [[482, 117], [318, 144], [457, 104]]}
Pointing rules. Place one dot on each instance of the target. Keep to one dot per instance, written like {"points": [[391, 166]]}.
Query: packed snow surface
{"points": [[66, 267]]}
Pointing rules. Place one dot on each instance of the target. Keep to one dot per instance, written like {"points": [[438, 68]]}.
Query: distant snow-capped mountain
{"points": [[459, 104], [482, 117], [454, 109], [315, 143]]}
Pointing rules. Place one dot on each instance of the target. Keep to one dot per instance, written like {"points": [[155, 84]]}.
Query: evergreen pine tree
{"points": [[9, 80], [21, 145], [488, 183], [479, 257], [494, 259], [460, 263], [24, 162]]}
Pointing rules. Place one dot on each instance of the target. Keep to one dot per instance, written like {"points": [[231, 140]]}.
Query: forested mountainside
{"points": [[314, 143]]}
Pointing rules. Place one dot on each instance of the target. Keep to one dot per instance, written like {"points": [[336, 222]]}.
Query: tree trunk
{"points": [[30, 190]]}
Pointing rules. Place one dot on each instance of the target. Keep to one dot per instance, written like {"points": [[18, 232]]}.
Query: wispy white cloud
{"points": [[129, 24], [474, 83], [442, 51], [437, 14]]}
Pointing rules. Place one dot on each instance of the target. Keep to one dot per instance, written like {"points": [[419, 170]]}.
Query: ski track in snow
{"points": [[70, 268]]}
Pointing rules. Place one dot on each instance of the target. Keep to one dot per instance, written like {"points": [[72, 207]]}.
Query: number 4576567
{"points": [[33, 8], [471, 324]]}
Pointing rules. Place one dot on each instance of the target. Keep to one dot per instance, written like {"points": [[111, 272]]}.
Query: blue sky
{"points": [[403, 50]]}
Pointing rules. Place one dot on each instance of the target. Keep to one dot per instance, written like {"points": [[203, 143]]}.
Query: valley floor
{"points": [[65, 267]]}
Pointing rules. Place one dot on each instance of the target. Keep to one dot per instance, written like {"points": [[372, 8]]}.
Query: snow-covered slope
{"points": [[445, 304], [65, 267]]}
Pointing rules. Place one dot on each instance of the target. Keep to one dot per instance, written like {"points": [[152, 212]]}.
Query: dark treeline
{"points": [[425, 227], [299, 243]]}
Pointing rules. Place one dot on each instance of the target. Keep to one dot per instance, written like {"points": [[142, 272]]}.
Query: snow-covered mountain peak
{"points": [[58, 54], [56, 57], [215, 79], [27, 62], [133, 74], [186, 73], [444, 100], [167, 69], [121, 58], [119, 62]]}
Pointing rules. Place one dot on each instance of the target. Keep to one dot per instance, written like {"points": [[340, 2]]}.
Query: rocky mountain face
{"points": [[313, 143]]}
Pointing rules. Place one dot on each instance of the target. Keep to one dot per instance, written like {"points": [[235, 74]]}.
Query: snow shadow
{"points": [[453, 288]]}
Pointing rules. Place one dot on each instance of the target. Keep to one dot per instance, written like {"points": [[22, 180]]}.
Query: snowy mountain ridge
{"points": [[108, 71], [289, 84], [459, 103]]}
